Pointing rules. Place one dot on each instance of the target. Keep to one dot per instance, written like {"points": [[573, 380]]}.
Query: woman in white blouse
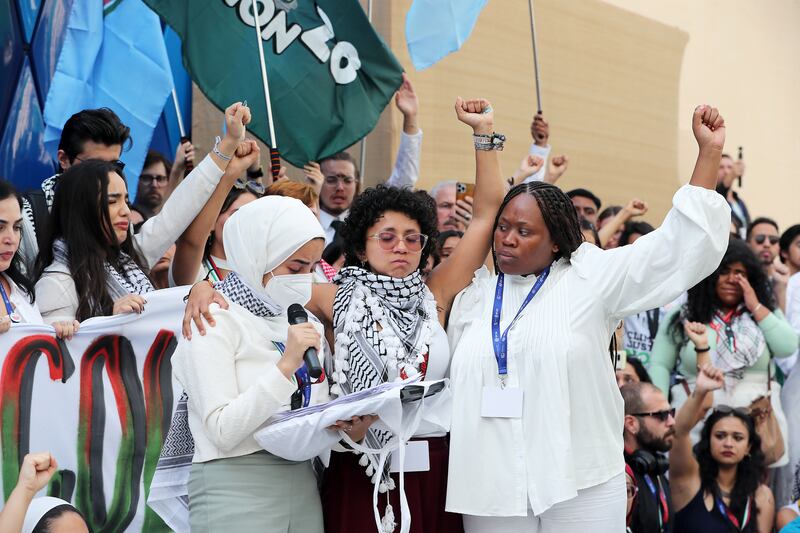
{"points": [[16, 289], [535, 401], [243, 371], [94, 265]]}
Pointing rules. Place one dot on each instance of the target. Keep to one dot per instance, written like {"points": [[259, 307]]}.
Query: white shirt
{"points": [[543, 152], [793, 316], [55, 290], [404, 174], [28, 312], [233, 383], [570, 434]]}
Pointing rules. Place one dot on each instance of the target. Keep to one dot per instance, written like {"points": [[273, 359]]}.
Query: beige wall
{"points": [[609, 86], [744, 57]]}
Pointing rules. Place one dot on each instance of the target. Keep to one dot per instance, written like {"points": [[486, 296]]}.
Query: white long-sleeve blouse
{"points": [[570, 434]]}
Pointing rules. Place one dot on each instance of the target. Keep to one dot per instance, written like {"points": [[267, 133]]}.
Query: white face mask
{"points": [[289, 289]]}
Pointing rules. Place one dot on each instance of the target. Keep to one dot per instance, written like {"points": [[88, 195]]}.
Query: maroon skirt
{"points": [[347, 495]]}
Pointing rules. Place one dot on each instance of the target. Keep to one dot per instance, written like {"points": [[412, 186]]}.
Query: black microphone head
{"points": [[296, 314]]}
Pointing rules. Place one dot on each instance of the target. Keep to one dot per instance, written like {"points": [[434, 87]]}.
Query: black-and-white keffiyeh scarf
{"points": [[125, 279], [740, 343], [49, 189], [175, 462], [383, 329]]}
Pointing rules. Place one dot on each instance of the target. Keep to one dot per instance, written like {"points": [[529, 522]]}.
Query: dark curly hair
{"points": [[371, 204], [702, 301], [557, 211], [749, 472]]}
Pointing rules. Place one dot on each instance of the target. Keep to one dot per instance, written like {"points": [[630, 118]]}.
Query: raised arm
{"points": [[634, 208], [684, 474], [406, 167], [161, 231], [184, 157], [453, 275], [191, 244], [686, 248]]}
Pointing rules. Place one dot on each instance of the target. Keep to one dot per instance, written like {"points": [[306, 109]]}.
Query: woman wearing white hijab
{"points": [[239, 374]]}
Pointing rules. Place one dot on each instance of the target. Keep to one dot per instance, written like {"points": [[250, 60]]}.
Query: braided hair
{"points": [[557, 211]]}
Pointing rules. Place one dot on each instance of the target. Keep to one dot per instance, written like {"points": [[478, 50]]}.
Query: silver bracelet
{"points": [[219, 154], [488, 142]]}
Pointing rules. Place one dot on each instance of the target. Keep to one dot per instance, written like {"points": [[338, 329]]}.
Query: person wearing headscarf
{"points": [[24, 512], [248, 368]]}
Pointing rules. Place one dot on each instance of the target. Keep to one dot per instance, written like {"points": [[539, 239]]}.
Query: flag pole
{"points": [[363, 153], [264, 77], [178, 112], [535, 59]]}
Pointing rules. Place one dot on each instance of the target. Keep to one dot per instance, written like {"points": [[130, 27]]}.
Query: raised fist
{"points": [[708, 127], [636, 208], [476, 113], [709, 379]]}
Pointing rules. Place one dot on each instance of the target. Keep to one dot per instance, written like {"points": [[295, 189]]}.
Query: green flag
{"points": [[330, 75]]}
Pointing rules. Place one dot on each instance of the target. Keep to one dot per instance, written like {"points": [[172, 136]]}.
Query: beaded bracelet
{"points": [[219, 154], [483, 141]]}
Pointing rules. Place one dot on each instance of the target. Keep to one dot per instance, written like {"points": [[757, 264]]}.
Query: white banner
{"points": [[100, 403]]}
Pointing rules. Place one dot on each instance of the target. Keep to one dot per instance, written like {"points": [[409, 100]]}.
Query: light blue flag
{"points": [[435, 28], [113, 56]]}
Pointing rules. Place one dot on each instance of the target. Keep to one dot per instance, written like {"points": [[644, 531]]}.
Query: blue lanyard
{"points": [[12, 316], [499, 341], [303, 379]]}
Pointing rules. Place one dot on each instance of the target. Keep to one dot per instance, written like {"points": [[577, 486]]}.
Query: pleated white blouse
{"points": [[570, 433]]}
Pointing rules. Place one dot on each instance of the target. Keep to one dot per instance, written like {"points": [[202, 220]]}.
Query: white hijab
{"points": [[263, 234], [38, 508]]}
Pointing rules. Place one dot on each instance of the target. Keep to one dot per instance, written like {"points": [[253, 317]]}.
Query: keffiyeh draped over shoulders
{"points": [[383, 329]]}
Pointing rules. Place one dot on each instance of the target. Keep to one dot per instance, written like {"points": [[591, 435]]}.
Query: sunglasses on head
{"points": [[728, 410], [661, 415], [255, 187], [773, 239]]}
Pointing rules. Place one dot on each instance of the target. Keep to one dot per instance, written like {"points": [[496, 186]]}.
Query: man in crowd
{"points": [[342, 179], [763, 237], [729, 172], [790, 249], [88, 134], [153, 187], [649, 430], [586, 203], [159, 177]]}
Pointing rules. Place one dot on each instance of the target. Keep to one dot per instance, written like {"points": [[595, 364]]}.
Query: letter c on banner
{"points": [[16, 387], [116, 355], [347, 72]]}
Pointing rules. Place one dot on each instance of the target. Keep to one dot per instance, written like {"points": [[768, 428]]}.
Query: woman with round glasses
{"points": [[388, 324], [716, 484], [731, 321]]}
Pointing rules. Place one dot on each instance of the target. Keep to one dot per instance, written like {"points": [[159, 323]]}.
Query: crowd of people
{"points": [[586, 349]]}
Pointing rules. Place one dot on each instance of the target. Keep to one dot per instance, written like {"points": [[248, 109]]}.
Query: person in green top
{"points": [[731, 321]]}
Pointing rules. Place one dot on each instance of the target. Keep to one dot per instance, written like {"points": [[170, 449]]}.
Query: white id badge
{"points": [[501, 403], [417, 458]]}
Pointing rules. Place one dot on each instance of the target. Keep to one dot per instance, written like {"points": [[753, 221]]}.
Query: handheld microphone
{"points": [[298, 315]]}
